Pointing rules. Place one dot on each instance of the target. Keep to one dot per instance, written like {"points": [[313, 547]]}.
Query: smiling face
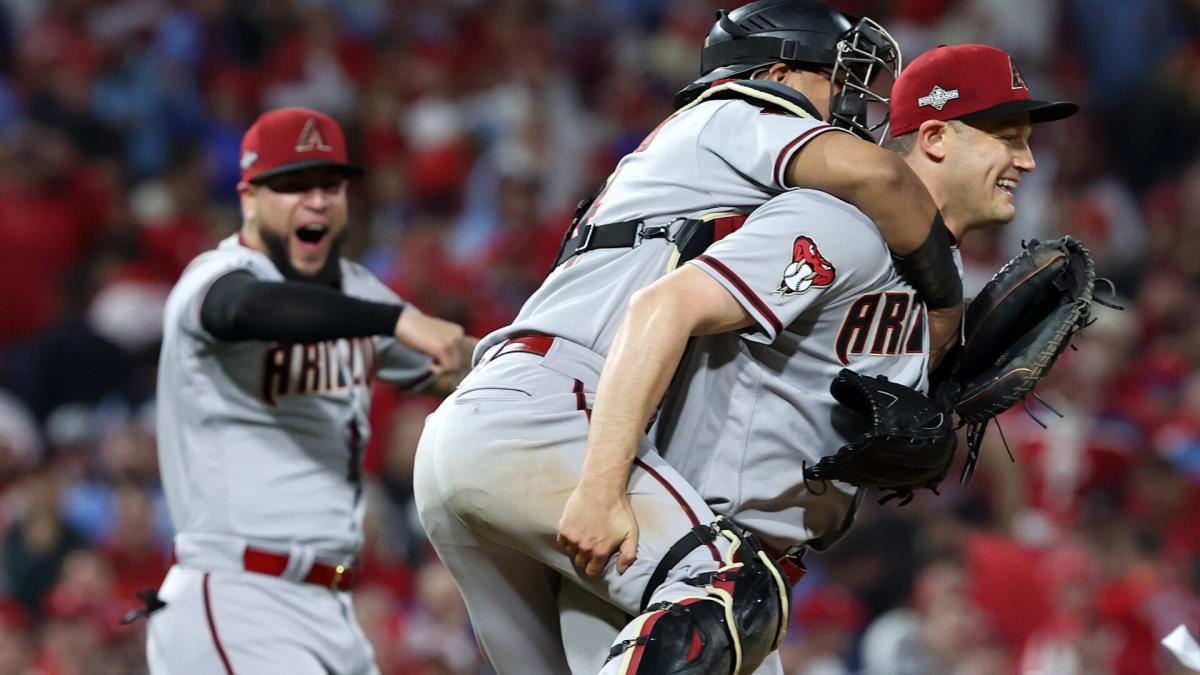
{"points": [[984, 162], [297, 218]]}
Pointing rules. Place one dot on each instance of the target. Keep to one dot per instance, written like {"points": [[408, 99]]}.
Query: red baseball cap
{"points": [[292, 139], [965, 82]]}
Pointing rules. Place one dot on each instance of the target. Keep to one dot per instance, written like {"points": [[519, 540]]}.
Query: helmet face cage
{"points": [[864, 52]]}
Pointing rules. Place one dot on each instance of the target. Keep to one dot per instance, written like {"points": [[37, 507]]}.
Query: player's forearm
{"points": [[892, 196], [875, 180], [907, 218], [639, 367], [902, 209], [241, 307]]}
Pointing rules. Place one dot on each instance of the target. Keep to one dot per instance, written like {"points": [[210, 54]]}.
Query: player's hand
{"points": [[594, 524], [466, 351], [944, 326], [442, 340]]}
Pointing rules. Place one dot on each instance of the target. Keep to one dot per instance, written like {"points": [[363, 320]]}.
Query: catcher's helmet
{"points": [[804, 34]]}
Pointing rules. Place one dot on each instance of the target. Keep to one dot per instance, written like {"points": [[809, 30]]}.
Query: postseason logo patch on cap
{"points": [[937, 97], [986, 83]]}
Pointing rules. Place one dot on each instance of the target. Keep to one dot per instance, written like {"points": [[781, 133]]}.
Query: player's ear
{"points": [[931, 139], [246, 192], [778, 72]]}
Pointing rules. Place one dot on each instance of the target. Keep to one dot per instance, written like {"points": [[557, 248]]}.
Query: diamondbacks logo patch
{"points": [[310, 138], [937, 97], [808, 269], [1018, 80]]}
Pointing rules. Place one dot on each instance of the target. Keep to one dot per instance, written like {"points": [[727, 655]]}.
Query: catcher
{"points": [[790, 304]]}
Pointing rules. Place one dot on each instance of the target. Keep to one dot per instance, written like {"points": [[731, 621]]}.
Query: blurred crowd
{"points": [[480, 123]]}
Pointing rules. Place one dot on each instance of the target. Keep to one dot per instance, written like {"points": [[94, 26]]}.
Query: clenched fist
{"points": [[442, 340]]}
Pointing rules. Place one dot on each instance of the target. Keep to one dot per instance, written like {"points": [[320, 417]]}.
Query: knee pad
{"points": [[749, 584], [753, 586], [691, 637]]}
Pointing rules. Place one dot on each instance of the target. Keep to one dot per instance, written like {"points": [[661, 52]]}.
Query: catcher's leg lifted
{"points": [[740, 620]]}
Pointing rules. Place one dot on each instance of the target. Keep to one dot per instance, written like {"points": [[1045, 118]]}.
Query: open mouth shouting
{"points": [[312, 235]]}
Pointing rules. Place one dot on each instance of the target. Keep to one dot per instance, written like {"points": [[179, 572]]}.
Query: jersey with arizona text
{"points": [[724, 156], [748, 409], [263, 440]]}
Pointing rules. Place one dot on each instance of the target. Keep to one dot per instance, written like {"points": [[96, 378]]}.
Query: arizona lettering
{"points": [[316, 367], [882, 324]]}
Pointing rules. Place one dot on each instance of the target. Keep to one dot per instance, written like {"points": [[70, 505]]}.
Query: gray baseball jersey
{"points": [[746, 410], [500, 456], [261, 440], [722, 156]]}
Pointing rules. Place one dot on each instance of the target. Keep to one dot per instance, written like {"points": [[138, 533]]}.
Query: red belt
{"points": [[336, 577], [528, 344]]}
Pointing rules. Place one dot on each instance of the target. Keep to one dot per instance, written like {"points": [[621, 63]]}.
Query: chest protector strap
{"points": [[693, 234], [590, 236], [763, 93]]}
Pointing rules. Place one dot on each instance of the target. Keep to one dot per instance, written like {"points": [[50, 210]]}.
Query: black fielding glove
{"points": [[908, 444]]}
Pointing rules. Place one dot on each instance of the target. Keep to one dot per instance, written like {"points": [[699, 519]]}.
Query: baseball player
{"points": [[270, 346], [796, 298], [498, 459]]}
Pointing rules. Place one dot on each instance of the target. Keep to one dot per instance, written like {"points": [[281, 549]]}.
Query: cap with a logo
{"points": [[965, 82], [292, 139]]}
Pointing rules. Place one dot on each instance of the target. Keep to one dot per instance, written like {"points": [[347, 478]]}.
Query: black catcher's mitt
{"points": [[908, 444], [1015, 329]]}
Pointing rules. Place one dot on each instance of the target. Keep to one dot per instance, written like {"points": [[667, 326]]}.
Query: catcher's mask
{"points": [[863, 52], [808, 35]]}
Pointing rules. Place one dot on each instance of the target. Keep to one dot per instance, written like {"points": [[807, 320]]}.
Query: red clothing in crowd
{"points": [[1006, 583], [1141, 609], [46, 229]]}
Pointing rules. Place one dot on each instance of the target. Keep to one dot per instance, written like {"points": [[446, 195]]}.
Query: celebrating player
{"points": [[498, 459], [801, 291], [270, 345]]}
